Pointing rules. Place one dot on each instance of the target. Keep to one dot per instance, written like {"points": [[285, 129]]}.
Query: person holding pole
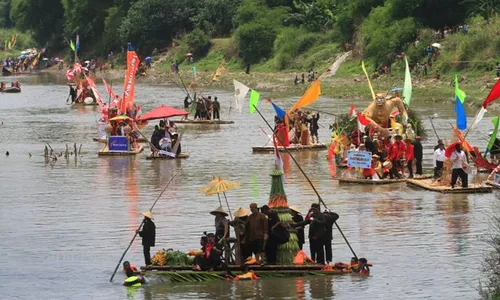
{"points": [[148, 234]]}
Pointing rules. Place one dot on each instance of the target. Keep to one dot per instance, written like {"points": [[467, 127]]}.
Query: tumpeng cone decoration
{"points": [[279, 204]]}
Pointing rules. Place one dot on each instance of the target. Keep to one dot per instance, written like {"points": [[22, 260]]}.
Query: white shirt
{"points": [[458, 158], [439, 156]]}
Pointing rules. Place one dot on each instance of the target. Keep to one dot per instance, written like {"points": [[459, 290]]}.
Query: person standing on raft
{"points": [[148, 235], [258, 232], [459, 164]]}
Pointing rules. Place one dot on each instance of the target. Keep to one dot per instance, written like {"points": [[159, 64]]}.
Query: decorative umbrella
{"points": [[162, 112], [209, 186], [119, 118], [148, 58], [189, 54], [437, 45], [217, 186]]}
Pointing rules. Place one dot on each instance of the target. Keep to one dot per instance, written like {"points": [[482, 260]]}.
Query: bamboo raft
{"points": [[293, 147], [77, 104], [204, 122], [369, 181], [473, 188], [104, 140], [182, 155], [492, 184], [105, 152], [185, 273]]}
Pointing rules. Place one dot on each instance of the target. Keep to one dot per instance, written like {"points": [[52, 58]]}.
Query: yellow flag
{"points": [[218, 72], [309, 97], [368, 78]]}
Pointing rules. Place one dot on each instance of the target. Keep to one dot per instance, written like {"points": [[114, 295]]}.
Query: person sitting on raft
{"points": [[209, 256]]}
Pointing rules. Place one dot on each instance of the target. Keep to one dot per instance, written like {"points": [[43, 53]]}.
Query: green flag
{"points": [[254, 100], [72, 46], [194, 71], [255, 187], [458, 92], [192, 106], [493, 137], [407, 87]]}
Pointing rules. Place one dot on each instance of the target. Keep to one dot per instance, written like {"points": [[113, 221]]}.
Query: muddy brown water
{"points": [[64, 225]]}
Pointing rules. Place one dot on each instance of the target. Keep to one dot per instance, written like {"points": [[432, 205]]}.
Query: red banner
{"points": [[129, 86]]}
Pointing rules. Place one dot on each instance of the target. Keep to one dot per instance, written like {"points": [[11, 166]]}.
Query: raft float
{"points": [[205, 122], [182, 155], [474, 188], [104, 140], [293, 147]]}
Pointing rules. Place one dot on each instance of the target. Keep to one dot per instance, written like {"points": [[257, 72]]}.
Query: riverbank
{"points": [[346, 84]]}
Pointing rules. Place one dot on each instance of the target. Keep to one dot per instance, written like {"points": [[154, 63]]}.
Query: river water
{"points": [[66, 224]]}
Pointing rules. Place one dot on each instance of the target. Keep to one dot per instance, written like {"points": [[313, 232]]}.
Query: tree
{"points": [[313, 16], [154, 23], [255, 41], [5, 14], [216, 16], [43, 18], [484, 8], [198, 42]]}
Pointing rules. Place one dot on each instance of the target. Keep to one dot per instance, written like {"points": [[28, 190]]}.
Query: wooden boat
{"points": [[292, 147], [473, 188], [105, 152], [186, 274], [11, 89], [182, 155], [7, 71], [204, 122], [98, 140], [369, 181]]}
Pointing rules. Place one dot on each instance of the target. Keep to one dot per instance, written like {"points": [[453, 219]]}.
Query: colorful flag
{"points": [[72, 46], [77, 46], [352, 112], [96, 92], [240, 92], [492, 96], [254, 100], [310, 96], [218, 72], [368, 78], [110, 92], [133, 61], [407, 87], [279, 112], [459, 106], [493, 137], [9, 45], [194, 71], [255, 187], [362, 122]]}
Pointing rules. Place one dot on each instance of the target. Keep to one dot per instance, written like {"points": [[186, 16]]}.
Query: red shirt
{"points": [[409, 152], [397, 150]]}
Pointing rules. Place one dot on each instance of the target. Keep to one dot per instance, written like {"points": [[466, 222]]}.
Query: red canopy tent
{"points": [[162, 112]]}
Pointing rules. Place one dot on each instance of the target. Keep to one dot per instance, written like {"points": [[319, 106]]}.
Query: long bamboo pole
{"points": [[142, 223]]}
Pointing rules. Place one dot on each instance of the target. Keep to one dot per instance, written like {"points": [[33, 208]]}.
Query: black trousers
{"points": [[438, 170], [271, 250], [418, 163], [410, 168], [216, 115], [317, 250], [197, 114], [394, 169], [328, 250], [147, 254], [459, 173]]}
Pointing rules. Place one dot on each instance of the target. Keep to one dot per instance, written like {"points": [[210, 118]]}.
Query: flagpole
{"points": [[469, 128]]}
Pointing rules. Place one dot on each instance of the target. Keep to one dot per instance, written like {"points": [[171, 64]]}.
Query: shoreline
{"points": [[281, 85]]}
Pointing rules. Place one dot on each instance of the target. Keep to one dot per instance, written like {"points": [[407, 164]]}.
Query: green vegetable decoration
{"points": [[279, 204]]}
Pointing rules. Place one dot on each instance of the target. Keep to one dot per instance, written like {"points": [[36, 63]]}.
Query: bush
{"points": [[255, 42], [198, 42]]}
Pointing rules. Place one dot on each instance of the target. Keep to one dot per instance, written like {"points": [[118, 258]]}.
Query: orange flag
{"points": [[309, 97]]}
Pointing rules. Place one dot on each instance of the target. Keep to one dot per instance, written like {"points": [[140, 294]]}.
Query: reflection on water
{"points": [[71, 220]]}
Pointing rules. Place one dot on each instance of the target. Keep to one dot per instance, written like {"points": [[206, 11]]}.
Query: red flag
{"points": [[352, 113], [362, 122], [331, 151], [493, 95]]}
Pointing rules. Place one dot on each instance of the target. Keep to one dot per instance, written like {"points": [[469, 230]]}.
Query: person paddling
{"points": [[148, 235]]}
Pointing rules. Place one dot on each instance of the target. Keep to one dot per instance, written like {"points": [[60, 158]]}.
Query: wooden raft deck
{"points": [[368, 181], [105, 152], [98, 140], [492, 184], [182, 155], [205, 122], [267, 149], [472, 189]]}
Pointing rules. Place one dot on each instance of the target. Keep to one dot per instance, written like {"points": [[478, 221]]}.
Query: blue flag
{"points": [[129, 47], [461, 117], [77, 43], [279, 112]]}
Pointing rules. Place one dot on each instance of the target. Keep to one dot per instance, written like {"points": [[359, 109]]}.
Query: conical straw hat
{"points": [[242, 212], [148, 214], [218, 210], [294, 208]]}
